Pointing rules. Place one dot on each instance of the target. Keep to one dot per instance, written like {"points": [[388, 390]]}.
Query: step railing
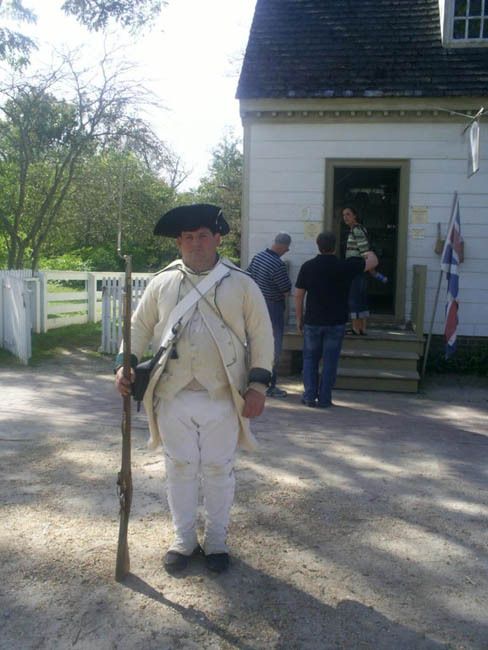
{"points": [[419, 283]]}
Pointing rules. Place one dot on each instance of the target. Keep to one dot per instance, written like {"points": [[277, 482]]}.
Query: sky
{"points": [[190, 60]]}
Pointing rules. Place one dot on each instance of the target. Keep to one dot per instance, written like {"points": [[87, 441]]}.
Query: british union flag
{"points": [[452, 256]]}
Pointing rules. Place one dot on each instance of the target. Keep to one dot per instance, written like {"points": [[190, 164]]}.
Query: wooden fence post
{"points": [[26, 342], [43, 302], [91, 287], [34, 287], [2, 311]]}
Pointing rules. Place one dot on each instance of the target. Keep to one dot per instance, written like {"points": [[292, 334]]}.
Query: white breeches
{"points": [[199, 438]]}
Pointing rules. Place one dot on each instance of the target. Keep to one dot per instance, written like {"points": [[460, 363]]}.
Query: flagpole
{"points": [[451, 224], [436, 301]]}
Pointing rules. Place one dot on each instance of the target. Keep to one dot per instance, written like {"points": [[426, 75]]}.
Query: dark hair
{"points": [[326, 242], [353, 209]]}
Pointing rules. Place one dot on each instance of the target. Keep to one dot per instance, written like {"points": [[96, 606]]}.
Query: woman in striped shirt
{"points": [[357, 246]]}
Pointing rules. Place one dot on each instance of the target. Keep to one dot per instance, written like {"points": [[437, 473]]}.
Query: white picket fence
{"points": [[37, 303], [113, 307], [16, 314]]}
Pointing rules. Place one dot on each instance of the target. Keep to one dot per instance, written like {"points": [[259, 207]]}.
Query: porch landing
{"points": [[387, 359]]}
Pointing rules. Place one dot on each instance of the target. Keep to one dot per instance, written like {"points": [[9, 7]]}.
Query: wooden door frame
{"points": [[403, 166]]}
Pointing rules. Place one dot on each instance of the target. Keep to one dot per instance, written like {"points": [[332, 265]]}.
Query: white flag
{"points": [[474, 148]]}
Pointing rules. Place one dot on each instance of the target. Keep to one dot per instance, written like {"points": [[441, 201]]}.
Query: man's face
{"points": [[199, 248]]}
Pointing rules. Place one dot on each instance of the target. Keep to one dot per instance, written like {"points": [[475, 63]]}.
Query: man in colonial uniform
{"points": [[210, 380]]}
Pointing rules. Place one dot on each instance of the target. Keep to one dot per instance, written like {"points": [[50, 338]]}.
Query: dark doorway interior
{"points": [[374, 191]]}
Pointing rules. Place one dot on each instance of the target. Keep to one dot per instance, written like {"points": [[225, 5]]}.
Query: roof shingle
{"points": [[356, 48]]}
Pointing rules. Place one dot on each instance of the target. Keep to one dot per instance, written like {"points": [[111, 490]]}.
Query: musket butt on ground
{"points": [[122, 567]]}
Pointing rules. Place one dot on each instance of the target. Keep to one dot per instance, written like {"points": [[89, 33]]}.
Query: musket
{"points": [[124, 478]]}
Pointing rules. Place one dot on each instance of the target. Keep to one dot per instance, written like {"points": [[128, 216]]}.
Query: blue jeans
{"points": [[277, 315], [321, 342], [358, 297]]}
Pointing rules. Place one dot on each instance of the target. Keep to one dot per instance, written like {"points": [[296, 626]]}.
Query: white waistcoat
{"points": [[237, 315]]}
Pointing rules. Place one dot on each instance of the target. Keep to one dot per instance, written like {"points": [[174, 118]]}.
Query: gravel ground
{"points": [[362, 527]]}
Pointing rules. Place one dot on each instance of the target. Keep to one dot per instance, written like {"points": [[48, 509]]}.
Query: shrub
{"points": [[72, 261], [466, 360]]}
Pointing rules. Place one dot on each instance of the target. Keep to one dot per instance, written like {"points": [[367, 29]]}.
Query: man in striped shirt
{"points": [[269, 272]]}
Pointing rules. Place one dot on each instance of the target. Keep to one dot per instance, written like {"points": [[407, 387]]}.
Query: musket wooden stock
{"points": [[124, 480]]}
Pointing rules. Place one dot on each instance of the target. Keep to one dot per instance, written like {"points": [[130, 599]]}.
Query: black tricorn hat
{"points": [[192, 217]]}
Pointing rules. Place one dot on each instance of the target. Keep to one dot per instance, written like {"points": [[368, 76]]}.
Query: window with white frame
{"points": [[464, 23], [470, 20]]}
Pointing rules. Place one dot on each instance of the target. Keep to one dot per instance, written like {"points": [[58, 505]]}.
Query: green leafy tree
{"points": [[109, 187], [15, 47], [223, 186], [96, 14], [44, 139]]}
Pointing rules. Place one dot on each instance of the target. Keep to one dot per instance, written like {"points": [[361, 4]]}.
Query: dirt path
{"points": [[359, 528]]}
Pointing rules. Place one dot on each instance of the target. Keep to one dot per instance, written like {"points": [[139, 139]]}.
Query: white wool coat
{"points": [[243, 318]]}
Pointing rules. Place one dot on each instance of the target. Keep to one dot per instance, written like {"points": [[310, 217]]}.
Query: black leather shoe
{"points": [[175, 562], [276, 392], [309, 402], [217, 562]]}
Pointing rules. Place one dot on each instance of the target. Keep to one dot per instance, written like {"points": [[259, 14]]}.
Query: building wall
{"points": [[285, 187]]}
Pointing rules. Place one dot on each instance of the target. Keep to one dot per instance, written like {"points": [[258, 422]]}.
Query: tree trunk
{"points": [[15, 255], [35, 261]]}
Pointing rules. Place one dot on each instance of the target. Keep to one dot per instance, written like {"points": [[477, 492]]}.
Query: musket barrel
{"points": [[124, 480]]}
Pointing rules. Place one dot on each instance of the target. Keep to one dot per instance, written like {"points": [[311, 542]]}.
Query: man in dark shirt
{"points": [[325, 280], [269, 272]]}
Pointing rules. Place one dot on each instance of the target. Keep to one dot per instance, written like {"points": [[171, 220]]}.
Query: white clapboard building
{"points": [[370, 103]]}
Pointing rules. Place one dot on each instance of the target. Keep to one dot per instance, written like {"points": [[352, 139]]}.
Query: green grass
{"points": [[58, 341], [8, 360], [66, 286]]}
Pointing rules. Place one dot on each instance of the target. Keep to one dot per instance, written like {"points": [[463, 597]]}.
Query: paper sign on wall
{"points": [[311, 229], [419, 214], [417, 233]]}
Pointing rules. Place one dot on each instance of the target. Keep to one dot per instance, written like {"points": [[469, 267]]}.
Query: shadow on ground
{"points": [[359, 527]]}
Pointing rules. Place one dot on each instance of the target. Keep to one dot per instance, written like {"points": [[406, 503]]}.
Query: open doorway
{"points": [[379, 191]]}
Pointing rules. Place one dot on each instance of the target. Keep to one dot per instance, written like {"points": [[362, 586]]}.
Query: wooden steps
{"points": [[386, 359], [395, 381]]}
